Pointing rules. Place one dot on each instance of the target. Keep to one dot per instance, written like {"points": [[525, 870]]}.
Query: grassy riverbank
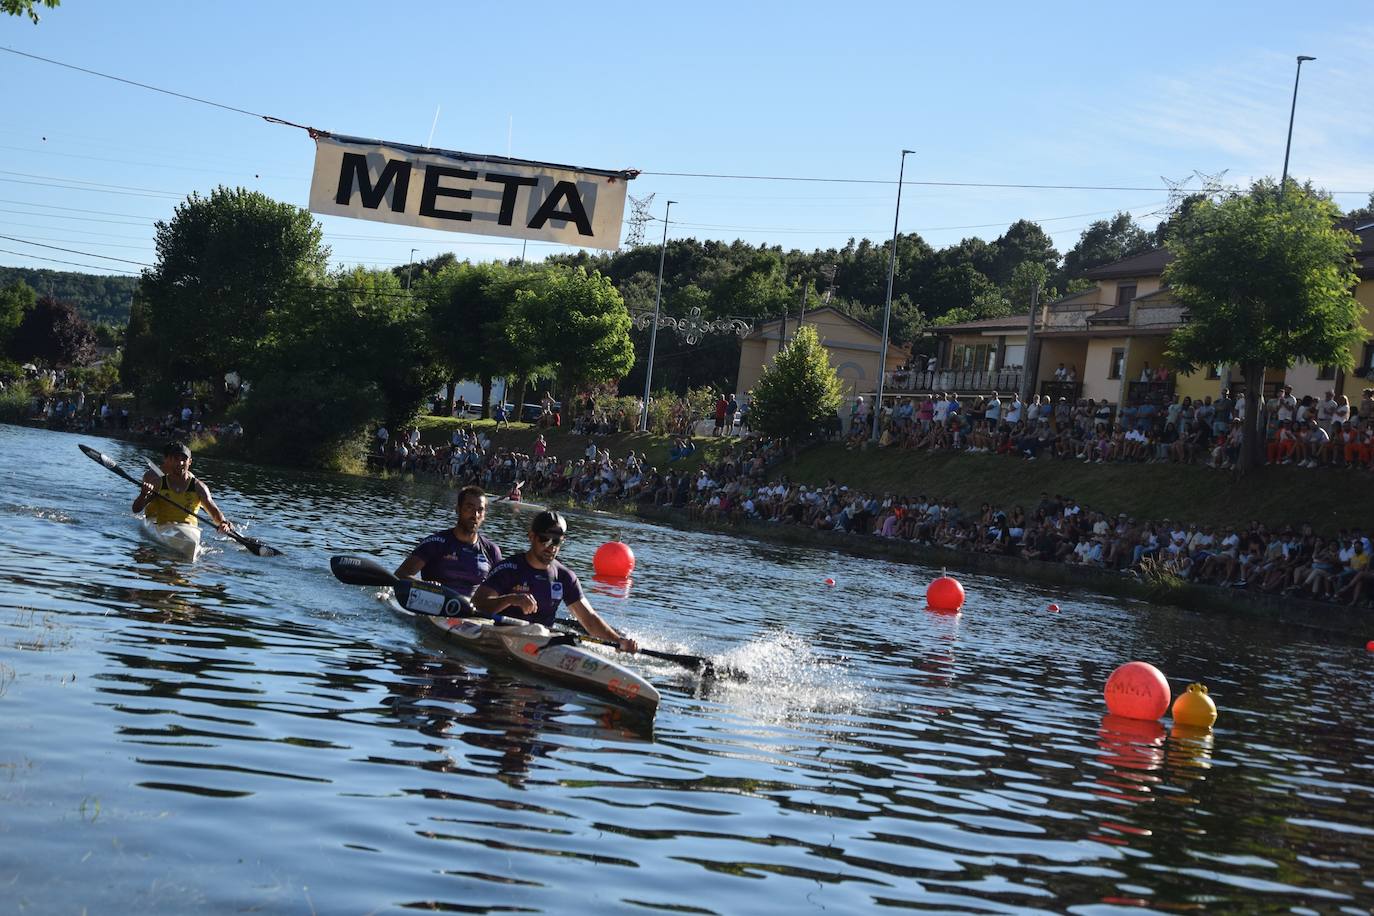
{"points": [[1276, 496]]}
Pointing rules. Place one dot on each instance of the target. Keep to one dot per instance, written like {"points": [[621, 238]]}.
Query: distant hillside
{"points": [[96, 297]]}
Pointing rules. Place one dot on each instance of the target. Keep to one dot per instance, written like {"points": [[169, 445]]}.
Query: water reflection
{"points": [[254, 735]]}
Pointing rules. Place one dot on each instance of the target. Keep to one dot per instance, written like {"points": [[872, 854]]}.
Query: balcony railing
{"points": [[1157, 393], [962, 381]]}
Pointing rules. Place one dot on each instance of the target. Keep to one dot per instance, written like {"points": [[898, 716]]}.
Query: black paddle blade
{"points": [[360, 571], [707, 668], [433, 600], [255, 546]]}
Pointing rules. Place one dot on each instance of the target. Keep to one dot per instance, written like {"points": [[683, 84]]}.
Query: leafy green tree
{"points": [[521, 353], [226, 263], [798, 393], [467, 305], [1267, 280], [27, 7], [52, 333], [344, 358], [98, 298], [1103, 242], [582, 327], [962, 286], [15, 301], [1024, 241]]}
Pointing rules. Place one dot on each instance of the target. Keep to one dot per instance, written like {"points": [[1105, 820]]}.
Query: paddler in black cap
{"points": [[181, 493], [533, 584]]}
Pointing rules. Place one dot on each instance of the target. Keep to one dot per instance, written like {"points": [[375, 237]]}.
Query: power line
{"points": [[120, 79], [26, 203], [707, 175], [84, 219], [88, 254], [36, 257]]}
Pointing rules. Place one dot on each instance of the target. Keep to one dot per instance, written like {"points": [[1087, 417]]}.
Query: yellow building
{"points": [[1113, 336], [854, 349]]}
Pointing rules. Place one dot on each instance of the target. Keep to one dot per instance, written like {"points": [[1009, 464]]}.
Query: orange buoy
{"points": [[1194, 707], [1137, 690], [945, 594], [614, 559]]}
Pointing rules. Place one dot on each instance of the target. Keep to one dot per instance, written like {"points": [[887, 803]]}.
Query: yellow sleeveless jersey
{"points": [[184, 512]]}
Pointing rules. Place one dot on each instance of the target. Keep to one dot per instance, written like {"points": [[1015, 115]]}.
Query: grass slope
{"points": [[1328, 499]]}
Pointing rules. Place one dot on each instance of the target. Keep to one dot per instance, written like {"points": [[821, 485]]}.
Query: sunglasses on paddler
{"points": [[549, 540]]}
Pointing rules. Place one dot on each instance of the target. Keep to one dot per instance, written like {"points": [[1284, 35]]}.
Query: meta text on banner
{"points": [[461, 192]]}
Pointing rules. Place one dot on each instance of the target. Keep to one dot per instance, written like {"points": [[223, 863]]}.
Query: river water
{"points": [[248, 734]]}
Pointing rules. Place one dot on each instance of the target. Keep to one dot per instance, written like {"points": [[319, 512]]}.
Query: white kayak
{"points": [[535, 648], [180, 539]]}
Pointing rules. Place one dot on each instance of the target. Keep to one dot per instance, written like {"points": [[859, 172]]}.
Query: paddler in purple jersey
{"points": [[458, 557], [533, 584]]}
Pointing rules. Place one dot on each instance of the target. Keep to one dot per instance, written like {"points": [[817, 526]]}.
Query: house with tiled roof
{"points": [[1112, 336]]}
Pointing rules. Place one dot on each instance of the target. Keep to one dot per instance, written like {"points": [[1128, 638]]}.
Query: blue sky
{"points": [[986, 93]]}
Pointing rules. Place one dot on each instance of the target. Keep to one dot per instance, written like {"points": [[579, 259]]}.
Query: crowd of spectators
{"points": [[75, 412], [737, 487], [1311, 432]]}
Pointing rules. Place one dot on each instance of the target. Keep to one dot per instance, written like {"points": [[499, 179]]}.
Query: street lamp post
{"points": [[1283, 182], [887, 300], [411, 272], [653, 331]]}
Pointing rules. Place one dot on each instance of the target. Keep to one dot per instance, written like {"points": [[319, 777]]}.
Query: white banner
{"points": [[460, 192]]}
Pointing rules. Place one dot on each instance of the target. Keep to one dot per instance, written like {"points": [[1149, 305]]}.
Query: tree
{"points": [[1103, 242], [582, 327], [226, 264], [963, 287], [467, 305], [1267, 279], [54, 334], [27, 7], [15, 302], [798, 393], [345, 357], [1022, 242]]}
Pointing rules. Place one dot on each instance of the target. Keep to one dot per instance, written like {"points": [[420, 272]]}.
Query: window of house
{"points": [[1213, 373], [1325, 373], [1118, 363], [1125, 292], [1366, 367], [972, 356]]}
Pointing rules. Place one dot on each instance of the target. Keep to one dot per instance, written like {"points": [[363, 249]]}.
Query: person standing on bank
{"points": [[182, 494], [533, 584], [459, 557]]}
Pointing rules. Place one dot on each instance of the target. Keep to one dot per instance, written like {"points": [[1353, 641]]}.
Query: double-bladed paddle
{"points": [[415, 596], [252, 544], [448, 603]]}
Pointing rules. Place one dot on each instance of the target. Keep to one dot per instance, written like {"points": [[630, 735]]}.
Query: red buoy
{"points": [[1137, 690], [614, 559], [829, 581], [945, 594]]}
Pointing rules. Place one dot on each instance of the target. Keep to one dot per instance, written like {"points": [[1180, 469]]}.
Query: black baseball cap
{"points": [[176, 448], [549, 522]]}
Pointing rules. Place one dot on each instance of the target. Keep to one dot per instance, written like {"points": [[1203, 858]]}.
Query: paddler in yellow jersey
{"points": [[183, 494]]}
